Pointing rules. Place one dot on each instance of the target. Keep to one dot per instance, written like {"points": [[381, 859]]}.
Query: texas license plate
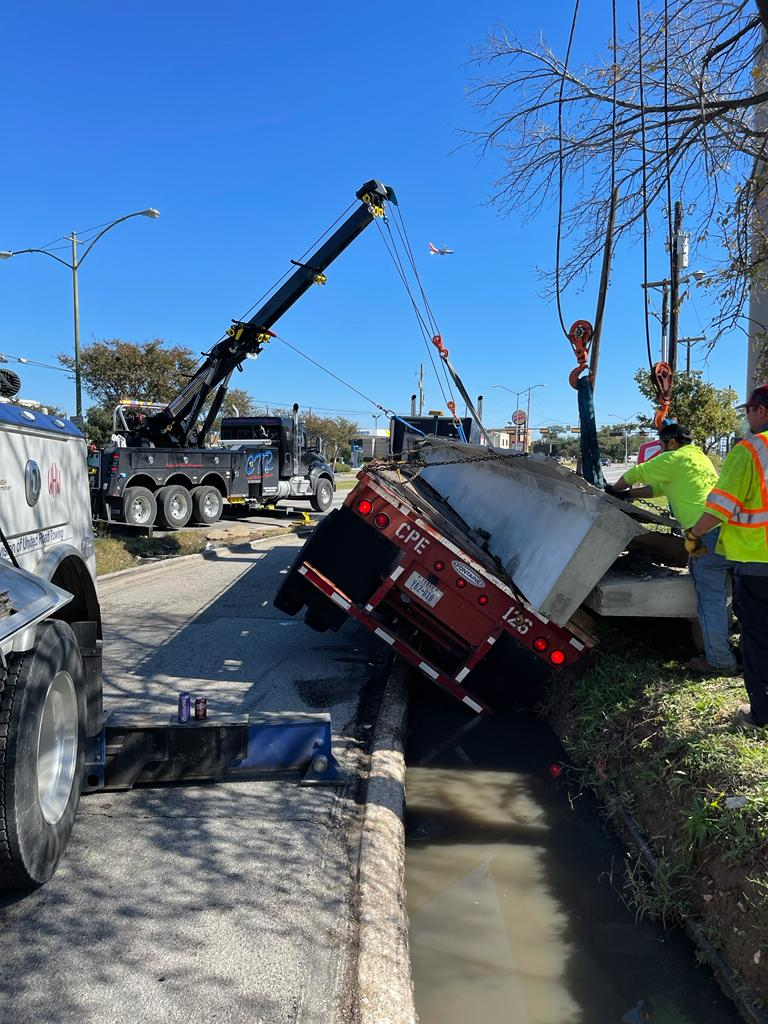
{"points": [[423, 588]]}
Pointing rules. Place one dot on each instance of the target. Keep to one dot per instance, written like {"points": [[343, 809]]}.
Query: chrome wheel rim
{"points": [[57, 747], [210, 504], [178, 507], [140, 510]]}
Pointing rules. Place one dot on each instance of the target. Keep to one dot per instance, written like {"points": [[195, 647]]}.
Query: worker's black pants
{"points": [[750, 604]]}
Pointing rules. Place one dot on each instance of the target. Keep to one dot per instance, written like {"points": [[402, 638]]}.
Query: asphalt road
{"points": [[230, 902]]}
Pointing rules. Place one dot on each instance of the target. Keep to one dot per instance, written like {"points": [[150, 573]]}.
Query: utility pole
{"points": [[688, 342], [675, 260], [665, 322], [757, 341]]}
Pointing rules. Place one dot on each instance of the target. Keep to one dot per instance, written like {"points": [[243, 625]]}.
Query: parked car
{"points": [[605, 461]]}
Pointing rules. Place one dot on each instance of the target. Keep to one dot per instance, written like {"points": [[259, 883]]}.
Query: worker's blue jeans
{"points": [[711, 573]]}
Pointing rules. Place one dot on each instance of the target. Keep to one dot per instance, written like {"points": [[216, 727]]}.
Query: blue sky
{"points": [[250, 126]]}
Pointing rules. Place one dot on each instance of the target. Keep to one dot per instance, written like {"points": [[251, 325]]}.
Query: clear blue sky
{"points": [[250, 126]]}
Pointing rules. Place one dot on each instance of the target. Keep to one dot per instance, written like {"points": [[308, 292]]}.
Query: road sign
{"points": [[519, 417]]}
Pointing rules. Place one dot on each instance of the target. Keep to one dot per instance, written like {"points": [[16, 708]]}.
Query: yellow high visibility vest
{"points": [[740, 500]]}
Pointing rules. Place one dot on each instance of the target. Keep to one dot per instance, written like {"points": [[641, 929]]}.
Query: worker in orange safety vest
{"points": [[738, 503]]}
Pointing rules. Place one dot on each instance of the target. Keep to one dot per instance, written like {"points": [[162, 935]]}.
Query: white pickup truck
{"points": [[50, 637]]}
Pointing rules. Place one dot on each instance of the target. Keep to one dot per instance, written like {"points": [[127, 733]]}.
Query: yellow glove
{"points": [[693, 545]]}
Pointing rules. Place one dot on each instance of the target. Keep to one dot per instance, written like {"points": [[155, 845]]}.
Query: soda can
{"points": [[185, 701], [201, 708]]}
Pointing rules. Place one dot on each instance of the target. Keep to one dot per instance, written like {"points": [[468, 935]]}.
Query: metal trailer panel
{"points": [[555, 535]]}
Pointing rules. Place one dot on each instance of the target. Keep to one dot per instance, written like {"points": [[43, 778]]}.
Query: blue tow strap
{"points": [[591, 469]]}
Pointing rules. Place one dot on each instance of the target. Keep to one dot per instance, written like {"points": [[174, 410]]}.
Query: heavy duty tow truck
{"points": [[167, 468], [56, 738]]}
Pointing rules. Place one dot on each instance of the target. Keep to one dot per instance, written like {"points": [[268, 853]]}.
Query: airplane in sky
{"points": [[443, 251]]}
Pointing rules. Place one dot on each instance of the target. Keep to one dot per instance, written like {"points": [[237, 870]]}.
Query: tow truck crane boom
{"points": [[176, 425]]}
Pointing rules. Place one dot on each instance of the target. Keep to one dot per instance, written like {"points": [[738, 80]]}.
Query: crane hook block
{"points": [[663, 377], [437, 341], [580, 337]]}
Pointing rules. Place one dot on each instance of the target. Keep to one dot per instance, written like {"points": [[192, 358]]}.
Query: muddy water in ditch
{"points": [[514, 889]]}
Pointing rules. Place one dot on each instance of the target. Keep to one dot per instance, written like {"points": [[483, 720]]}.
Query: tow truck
{"points": [[258, 461], [57, 740], [167, 469]]}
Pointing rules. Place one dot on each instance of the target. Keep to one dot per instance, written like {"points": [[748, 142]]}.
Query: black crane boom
{"points": [[176, 425]]}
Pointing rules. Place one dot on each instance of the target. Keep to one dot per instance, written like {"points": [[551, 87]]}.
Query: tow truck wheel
{"points": [[207, 505], [323, 496], [139, 506], [174, 505], [42, 743]]}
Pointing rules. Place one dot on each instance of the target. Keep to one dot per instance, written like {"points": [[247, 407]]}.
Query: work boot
{"points": [[745, 719], [702, 667]]}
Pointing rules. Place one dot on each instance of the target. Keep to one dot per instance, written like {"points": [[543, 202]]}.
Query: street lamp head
{"points": [[151, 212], [5, 255]]}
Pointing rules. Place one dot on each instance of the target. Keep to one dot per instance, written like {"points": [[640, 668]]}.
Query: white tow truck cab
{"points": [[50, 636]]}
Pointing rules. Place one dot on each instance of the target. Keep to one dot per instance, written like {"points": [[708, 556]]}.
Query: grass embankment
{"points": [[125, 551], [663, 742]]}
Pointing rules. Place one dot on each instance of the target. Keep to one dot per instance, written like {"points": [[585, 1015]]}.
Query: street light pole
{"points": [[73, 266], [688, 342], [528, 414], [76, 305]]}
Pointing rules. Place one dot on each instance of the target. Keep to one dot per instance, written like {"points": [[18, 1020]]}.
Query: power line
{"points": [[6, 358]]}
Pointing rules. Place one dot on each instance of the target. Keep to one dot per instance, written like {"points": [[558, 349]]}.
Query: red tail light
{"points": [[461, 583], [364, 507], [483, 599], [381, 520], [557, 657], [439, 566], [540, 644]]}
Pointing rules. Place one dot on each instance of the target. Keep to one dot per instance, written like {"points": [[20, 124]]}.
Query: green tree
{"points": [[98, 425], [707, 411], [149, 371], [335, 432]]}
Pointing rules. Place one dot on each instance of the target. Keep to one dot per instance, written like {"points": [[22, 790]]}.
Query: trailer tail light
{"points": [[364, 507], [439, 566], [483, 599], [540, 644], [557, 657], [381, 520], [461, 583]]}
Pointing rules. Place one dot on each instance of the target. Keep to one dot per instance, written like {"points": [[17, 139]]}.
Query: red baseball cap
{"points": [[759, 396]]}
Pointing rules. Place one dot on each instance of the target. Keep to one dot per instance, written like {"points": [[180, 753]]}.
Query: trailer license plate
{"points": [[423, 588]]}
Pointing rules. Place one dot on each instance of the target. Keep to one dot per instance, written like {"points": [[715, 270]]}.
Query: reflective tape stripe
{"points": [[303, 570], [340, 601], [428, 670], [462, 675], [723, 501], [396, 572], [758, 518], [369, 607], [384, 636], [472, 704], [576, 643], [491, 640]]}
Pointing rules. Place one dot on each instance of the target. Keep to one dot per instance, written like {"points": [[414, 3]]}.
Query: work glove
{"points": [[693, 545]]}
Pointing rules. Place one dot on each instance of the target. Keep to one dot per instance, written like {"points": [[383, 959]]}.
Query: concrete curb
{"points": [[384, 984], [164, 563]]}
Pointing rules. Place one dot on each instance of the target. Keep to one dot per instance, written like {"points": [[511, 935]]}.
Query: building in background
{"points": [[370, 444]]}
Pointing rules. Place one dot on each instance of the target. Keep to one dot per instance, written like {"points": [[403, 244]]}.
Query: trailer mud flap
{"points": [[348, 551]]}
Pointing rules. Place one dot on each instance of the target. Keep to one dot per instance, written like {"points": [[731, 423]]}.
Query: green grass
{"points": [[345, 485], [125, 551], [663, 742]]}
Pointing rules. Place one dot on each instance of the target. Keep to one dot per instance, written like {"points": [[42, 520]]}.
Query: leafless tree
{"points": [[672, 111]]}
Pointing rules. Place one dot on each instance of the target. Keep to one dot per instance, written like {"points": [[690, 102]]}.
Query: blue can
{"points": [[185, 700]]}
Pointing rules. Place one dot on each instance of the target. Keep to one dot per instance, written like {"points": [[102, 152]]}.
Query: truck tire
{"points": [[174, 506], [139, 506], [207, 505], [323, 497], [42, 745]]}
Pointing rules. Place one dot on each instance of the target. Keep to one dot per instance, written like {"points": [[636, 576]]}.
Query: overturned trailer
{"points": [[446, 556]]}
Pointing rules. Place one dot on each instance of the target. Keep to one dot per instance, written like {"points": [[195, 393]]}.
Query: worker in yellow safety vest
{"points": [[685, 476], [738, 504]]}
